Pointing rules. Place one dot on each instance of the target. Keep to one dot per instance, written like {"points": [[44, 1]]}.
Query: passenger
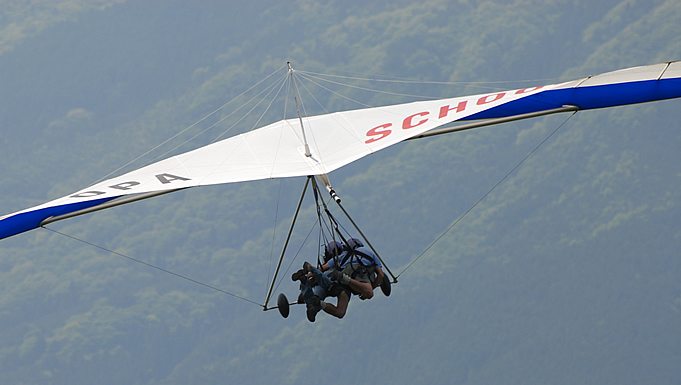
{"points": [[316, 285]]}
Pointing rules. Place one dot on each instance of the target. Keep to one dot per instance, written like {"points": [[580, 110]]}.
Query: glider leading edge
{"points": [[333, 140]]}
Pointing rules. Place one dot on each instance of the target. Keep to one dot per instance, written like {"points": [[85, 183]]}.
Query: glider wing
{"points": [[336, 139]]}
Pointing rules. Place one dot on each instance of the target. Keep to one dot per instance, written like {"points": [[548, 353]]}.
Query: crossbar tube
{"points": [[107, 205], [490, 122]]}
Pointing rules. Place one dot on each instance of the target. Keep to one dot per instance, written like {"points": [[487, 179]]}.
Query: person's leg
{"points": [[341, 306]]}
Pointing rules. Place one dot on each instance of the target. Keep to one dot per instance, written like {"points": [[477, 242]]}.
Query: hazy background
{"points": [[567, 273]]}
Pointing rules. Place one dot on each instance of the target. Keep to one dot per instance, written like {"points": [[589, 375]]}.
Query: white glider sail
{"points": [[278, 150]]}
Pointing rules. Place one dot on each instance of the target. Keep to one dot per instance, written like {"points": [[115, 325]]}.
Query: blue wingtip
{"points": [[587, 98], [18, 224], [22, 222]]}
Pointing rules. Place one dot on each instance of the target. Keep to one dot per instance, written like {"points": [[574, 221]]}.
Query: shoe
{"points": [[299, 275], [316, 302], [301, 300], [307, 267], [313, 308], [311, 313]]}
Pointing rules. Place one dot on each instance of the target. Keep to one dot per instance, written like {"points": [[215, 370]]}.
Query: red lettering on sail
{"points": [[409, 121], [490, 98], [526, 90], [444, 110], [380, 131]]}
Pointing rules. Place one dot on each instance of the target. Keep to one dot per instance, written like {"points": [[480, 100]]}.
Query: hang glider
{"points": [[317, 145]]}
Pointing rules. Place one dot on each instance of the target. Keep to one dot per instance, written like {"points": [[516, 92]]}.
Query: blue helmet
{"points": [[354, 243], [332, 249]]}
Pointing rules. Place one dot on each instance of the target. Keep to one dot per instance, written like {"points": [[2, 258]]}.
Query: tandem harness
{"points": [[355, 263], [360, 266]]}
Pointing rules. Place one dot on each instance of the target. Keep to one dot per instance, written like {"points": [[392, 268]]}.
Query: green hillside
{"points": [[566, 273]]}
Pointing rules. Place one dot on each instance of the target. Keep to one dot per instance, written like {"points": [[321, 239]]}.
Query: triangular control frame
{"points": [[315, 186]]}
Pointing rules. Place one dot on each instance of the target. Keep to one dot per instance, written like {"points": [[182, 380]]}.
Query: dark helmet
{"points": [[354, 243], [332, 249]]}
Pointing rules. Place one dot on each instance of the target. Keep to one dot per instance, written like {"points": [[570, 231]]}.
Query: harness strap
{"points": [[356, 253], [366, 269], [331, 220]]}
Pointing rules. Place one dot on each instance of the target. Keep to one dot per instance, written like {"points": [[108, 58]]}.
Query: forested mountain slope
{"points": [[566, 273]]}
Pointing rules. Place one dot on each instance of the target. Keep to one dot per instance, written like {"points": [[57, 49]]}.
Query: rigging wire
{"points": [[282, 81], [315, 99], [394, 79], [331, 91], [302, 244], [309, 77], [189, 127], [486, 194], [152, 266], [270, 88]]}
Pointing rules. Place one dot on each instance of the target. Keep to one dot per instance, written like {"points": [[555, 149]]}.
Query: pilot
{"points": [[361, 270]]}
